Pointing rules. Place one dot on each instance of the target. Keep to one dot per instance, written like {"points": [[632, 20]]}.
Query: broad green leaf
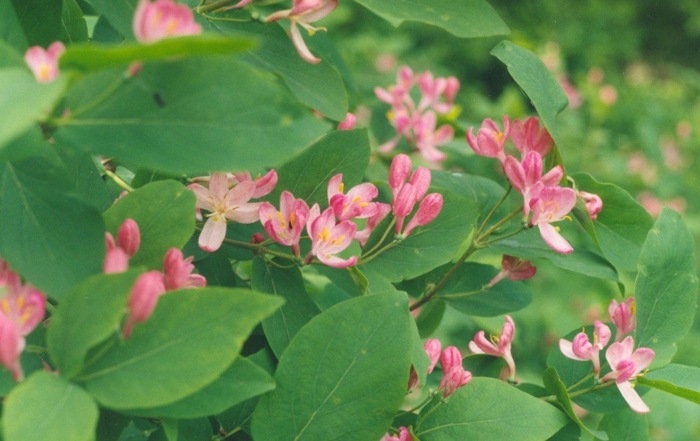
{"points": [[92, 57], [676, 379], [164, 211], [298, 308], [318, 86], [430, 317], [625, 425], [343, 375], [419, 361], [429, 246], [119, 14], [241, 381], [40, 20], [48, 235], [487, 408], [306, 174], [73, 26], [185, 117], [24, 102], [533, 77], [621, 226], [529, 245], [484, 191], [46, 406], [88, 315], [465, 19], [10, 29], [192, 337], [198, 429], [87, 179], [666, 287], [554, 385]]}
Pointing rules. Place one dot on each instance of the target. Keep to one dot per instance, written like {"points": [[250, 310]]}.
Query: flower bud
{"points": [[129, 237], [143, 299]]}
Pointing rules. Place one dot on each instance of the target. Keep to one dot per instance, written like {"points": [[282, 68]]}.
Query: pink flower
{"points": [[329, 238], [433, 348], [163, 19], [433, 89], [404, 435], [143, 299], [286, 225], [177, 272], [223, 203], [581, 348], [497, 346], [126, 246], [357, 203], [528, 136], [263, 184], [44, 63], [303, 13], [594, 204], [11, 346], [552, 204], [489, 140], [453, 374], [428, 210], [428, 138], [626, 365], [527, 178], [348, 123], [363, 235], [407, 194], [623, 316], [514, 268]]}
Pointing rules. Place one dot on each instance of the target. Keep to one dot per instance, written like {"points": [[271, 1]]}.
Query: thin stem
{"points": [[119, 181], [496, 226], [580, 382], [493, 210], [213, 6], [462, 295], [99, 99], [505, 236], [388, 246], [228, 19], [383, 238]]}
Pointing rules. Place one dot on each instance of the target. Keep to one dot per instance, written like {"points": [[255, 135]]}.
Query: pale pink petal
{"points": [[300, 45], [213, 234], [566, 348], [632, 397], [555, 240]]}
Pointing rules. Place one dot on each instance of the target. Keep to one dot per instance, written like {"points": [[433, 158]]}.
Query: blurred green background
{"points": [[631, 70]]}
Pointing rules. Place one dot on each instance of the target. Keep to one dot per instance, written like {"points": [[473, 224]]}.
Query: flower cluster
{"points": [[544, 200], [403, 435], [417, 123], [513, 268], [453, 374], [625, 362], [161, 19], [149, 286], [498, 346], [22, 308]]}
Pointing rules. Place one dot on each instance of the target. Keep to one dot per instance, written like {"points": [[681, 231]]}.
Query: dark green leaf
{"points": [[625, 425], [73, 26], [676, 379], [40, 20]]}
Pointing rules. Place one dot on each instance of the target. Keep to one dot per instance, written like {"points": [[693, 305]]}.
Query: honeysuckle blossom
{"points": [[143, 299], [527, 136], [357, 203], [623, 316], [120, 251], [286, 225], [403, 435], [526, 176], [489, 140], [626, 364], [263, 184], [582, 349], [11, 346], [433, 348], [407, 194], [44, 63], [428, 137], [177, 272], [363, 235], [513, 268], [552, 204], [348, 123], [498, 346], [434, 89], [428, 209], [303, 13], [329, 238], [594, 204], [160, 19], [453, 374], [223, 203]]}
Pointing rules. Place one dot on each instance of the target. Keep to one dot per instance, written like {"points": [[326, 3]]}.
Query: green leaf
{"points": [[40, 20], [536, 81], [484, 191], [88, 315], [489, 409], [176, 117], [342, 151], [676, 379], [52, 238], [318, 86], [24, 102], [298, 308], [429, 246], [621, 226], [666, 287], [164, 211], [625, 425], [73, 26], [192, 337], [554, 385], [93, 57], [343, 375], [10, 30], [241, 381], [45, 407], [119, 14], [465, 19]]}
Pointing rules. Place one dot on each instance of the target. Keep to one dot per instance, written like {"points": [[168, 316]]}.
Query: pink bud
{"points": [[528, 136], [412, 379], [398, 172], [11, 346], [143, 298], [453, 379], [451, 89], [428, 210], [116, 261], [129, 237], [348, 123], [177, 271], [432, 348], [403, 204], [450, 358], [420, 179], [594, 204], [257, 238], [623, 316]]}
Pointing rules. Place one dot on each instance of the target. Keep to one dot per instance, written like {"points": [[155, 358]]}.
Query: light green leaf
{"points": [[344, 374], [625, 425], [164, 211], [676, 379], [489, 409], [192, 337], [666, 287], [73, 26], [45, 407], [466, 19]]}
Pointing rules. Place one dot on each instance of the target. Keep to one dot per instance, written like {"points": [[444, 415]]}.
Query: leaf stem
{"points": [[493, 210]]}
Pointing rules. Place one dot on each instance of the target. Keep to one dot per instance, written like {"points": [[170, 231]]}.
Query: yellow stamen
{"points": [[324, 235], [338, 240], [341, 187], [281, 219]]}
